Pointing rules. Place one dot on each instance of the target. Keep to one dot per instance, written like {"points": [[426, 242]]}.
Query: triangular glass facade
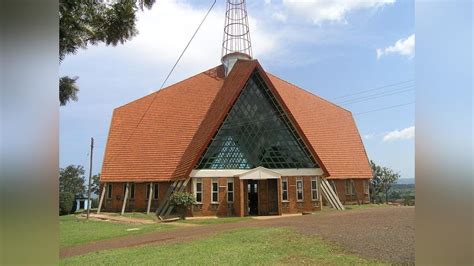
{"points": [[256, 132]]}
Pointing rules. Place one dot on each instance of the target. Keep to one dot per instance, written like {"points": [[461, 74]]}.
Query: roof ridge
{"points": [[169, 87], [308, 92]]}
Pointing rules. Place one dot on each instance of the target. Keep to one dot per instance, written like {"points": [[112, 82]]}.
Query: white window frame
{"points": [[110, 190], [314, 189], [366, 187], [196, 192], [229, 192], [299, 179], [283, 190], [214, 181]]}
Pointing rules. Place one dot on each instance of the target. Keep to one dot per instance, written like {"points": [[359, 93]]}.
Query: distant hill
{"points": [[406, 181]]}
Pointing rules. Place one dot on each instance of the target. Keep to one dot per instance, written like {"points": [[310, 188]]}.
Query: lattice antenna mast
{"points": [[236, 43]]}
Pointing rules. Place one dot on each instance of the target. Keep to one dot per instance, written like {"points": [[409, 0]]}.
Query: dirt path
{"points": [[386, 233]]}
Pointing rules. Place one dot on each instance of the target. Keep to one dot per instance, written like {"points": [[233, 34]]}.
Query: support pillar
{"points": [[150, 196], [102, 195], [125, 198], [320, 193]]}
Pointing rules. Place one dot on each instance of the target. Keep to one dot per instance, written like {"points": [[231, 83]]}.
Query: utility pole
{"points": [[90, 177]]}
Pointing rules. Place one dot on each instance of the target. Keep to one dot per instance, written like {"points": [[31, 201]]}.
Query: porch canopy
{"points": [[259, 173]]}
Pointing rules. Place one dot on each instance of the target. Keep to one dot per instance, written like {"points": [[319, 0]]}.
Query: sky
{"points": [[360, 54]]}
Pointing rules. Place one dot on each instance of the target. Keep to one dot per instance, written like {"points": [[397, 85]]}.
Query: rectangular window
{"points": [[215, 191], [198, 189], [109, 191], [299, 189], [366, 187], [284, 189], [314, 188], [156, 191], [349, 188], [230, 190], [132, 191]]}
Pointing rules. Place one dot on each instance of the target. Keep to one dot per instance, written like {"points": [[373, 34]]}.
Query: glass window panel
{"points": [[256, 132]]}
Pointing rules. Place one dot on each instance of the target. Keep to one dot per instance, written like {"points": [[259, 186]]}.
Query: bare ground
{"points": [[385, 233]]}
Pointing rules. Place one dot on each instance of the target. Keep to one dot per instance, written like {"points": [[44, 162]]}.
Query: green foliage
{"points": [[382, 181], [71, 179], [67, 89], [66, 202], [86, 22], [182, 199], [94, 203], [95, 185]]}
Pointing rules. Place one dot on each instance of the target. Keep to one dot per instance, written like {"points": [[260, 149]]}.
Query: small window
{"points": [[349, 188], [314, 189], [215, 191], [109, 191], [299, 189], [284, 189], [198, 190], [230, 190], [147, 191], [132, 191], [156, 191], [366, 186]]}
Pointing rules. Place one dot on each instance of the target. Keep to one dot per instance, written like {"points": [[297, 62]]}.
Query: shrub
{"points": [[182, 200], [66, 202], [94, 203]]}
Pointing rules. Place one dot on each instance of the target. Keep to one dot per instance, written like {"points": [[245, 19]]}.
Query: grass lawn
{"points": [[74, 231], [220, 220], [244, 246]]}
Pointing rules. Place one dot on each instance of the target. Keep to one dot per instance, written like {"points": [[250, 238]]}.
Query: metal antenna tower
{"points": [[236, 42]]}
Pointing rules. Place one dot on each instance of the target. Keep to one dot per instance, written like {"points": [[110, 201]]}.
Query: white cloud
{"points": [[267, 2], [319, 11], [406, 133], [405, 47], [279, 16], [165, 30]]}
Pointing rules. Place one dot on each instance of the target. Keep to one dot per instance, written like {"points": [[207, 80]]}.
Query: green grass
{"points": [[74, 231], [222, 220], [267, 246]]}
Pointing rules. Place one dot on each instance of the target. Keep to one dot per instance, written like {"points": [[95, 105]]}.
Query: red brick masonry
{"points": [[268, 198]]}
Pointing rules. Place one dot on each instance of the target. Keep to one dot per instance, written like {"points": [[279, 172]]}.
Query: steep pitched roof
{"points": [[182, 119]]}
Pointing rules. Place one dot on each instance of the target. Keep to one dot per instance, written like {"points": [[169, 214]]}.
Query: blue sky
{"points": [[327, 47]]}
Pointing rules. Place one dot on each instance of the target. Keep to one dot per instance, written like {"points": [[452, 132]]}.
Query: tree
{"points": [[382, 181], [95, 185], [86, 22], [71, 179]]}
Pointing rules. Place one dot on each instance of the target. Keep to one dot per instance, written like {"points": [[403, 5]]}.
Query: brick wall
{"points": [[239, 206]]}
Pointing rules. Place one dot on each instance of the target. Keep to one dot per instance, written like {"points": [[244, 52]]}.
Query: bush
{"points": [[182, 200], [94, 203], [66, 203]]}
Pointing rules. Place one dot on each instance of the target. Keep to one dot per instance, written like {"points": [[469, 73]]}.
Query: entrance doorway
{"points": [[252, 188]]}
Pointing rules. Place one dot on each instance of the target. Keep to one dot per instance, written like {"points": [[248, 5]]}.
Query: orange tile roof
{"points": [[180, 121]]}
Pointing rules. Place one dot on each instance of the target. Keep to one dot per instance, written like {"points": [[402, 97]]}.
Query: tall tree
{"points": [[382, 181], [86, 22], [71, 179], [95, 186]]}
